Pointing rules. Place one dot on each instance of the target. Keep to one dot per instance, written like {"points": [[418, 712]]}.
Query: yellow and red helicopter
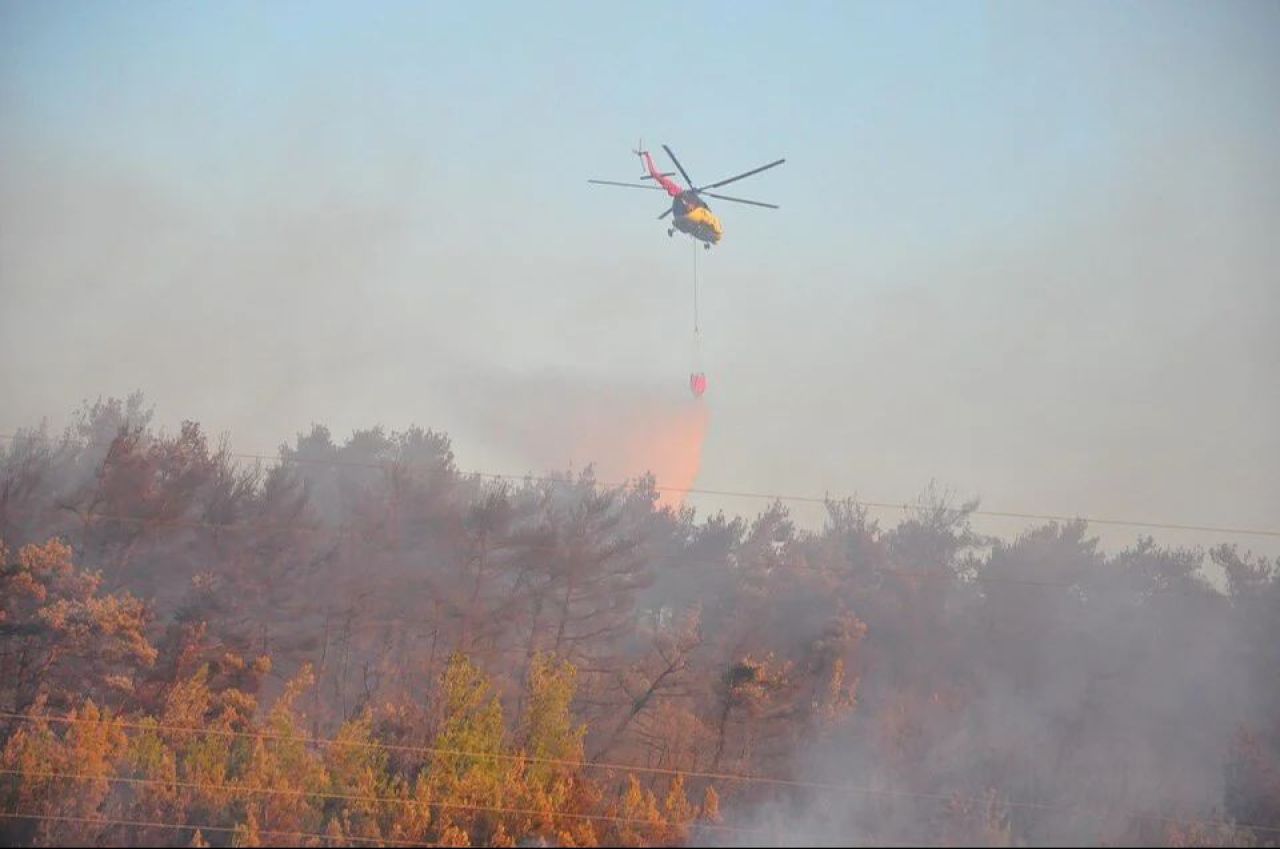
{"points": [[690, 212]]}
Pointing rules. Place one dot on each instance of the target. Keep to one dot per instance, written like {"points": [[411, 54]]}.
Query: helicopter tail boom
{"points": [[672, 187]]}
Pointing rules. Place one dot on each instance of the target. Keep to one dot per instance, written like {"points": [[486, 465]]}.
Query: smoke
{"points": [[1064, 717], [553, 420]]}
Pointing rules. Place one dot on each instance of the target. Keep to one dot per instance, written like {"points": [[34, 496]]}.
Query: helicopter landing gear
{"points": [[706, 246], [670, 232]]}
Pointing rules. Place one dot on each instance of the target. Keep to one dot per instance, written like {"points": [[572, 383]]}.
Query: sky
{"points": [[1025, 251]]}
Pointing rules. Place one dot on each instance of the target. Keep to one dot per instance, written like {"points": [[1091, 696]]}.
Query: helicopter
{"points": [[690, 213]]}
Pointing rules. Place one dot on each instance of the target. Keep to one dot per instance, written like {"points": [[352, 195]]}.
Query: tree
{"points": [[61, 639], [552, 742], [466, 771]]}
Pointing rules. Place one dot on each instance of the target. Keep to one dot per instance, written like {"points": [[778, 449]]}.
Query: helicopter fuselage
{"points": [[691, 215]]}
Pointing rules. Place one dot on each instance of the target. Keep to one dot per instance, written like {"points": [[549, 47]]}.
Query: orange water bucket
{"points": [[697, 384]]}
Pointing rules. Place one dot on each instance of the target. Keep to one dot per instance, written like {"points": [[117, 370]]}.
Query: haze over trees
{"points": [[358, 643]]}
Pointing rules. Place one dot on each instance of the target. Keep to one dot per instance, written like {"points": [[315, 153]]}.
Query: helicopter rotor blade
{"points": [[683, 173], [625, 185], [741, 200], [742, 175]]}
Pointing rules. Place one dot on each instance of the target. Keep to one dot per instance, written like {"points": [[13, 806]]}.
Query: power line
{"points": [[212, 828], [339, 530], [693, 826], [179, 522], [348, 797], [425, 750], [710, 776], [781, 497]]}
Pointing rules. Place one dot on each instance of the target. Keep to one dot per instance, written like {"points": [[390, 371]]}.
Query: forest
{"points": [[358, 642]]}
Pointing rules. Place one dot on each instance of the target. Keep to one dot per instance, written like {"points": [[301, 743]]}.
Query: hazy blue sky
{"points": [[1027, 250]]}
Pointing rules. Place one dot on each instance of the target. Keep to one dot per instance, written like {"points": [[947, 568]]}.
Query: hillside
{"points": [[358, 642]]}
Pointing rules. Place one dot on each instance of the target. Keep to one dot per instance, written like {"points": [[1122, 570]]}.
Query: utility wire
{"points": [[294, 835], [712, 776], [349, 797], [341, 530], [330, 839], [781, 497]]}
